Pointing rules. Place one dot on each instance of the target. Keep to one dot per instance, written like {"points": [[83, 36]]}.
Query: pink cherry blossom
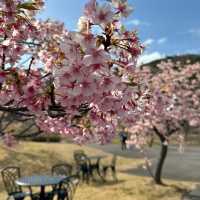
{"points": [[122, 7], [75, 83]]}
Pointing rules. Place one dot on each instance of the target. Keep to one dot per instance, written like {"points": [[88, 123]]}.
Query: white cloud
{"points": [[148, 57], [195, 31], [193, 51], [162, 40], [137, 22], [148, 42]]}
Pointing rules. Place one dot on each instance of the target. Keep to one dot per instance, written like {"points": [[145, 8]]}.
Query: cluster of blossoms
{"points": [[173, 106], [175, 97], [78, 84], [16, 29]]}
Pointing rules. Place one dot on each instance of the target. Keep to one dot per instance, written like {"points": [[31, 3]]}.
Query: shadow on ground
{"points": [[107, 183]]}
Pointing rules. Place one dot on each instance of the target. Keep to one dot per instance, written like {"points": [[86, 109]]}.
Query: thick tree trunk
{"points": [[160, 164], [163, 155]]}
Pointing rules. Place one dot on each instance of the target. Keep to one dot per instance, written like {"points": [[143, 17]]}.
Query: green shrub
{"points": [[46, 138]]}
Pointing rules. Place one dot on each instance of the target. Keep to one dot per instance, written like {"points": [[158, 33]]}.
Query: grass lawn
{"points": [[34, 158]]}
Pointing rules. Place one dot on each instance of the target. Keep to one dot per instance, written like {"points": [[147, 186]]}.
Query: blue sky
{"points": [[167, 27]]}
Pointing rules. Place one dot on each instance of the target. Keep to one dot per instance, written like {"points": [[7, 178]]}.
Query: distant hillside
{"points": [[183, 59]]}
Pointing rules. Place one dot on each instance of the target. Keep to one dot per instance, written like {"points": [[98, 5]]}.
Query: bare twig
{"points": [[30, 64], [4, 55]]}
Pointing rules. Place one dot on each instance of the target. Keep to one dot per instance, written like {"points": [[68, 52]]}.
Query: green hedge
{"points": [[47, 138]]}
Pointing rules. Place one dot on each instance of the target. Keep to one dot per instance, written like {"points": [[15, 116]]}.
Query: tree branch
{"points": [[170, 130], [28, 136], [30, 64], [54, 111], [157, 132], [6, 126], [26, 129], [4, 55]]}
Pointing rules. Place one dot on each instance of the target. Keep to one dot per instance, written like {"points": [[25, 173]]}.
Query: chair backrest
{"points": [[79, 156], [64, 169], [114, 160], [78, 152], [82, 162], [9, 176], [69, 186]]}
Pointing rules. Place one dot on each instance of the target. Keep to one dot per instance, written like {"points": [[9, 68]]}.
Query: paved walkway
{"points": [[178, 166]]}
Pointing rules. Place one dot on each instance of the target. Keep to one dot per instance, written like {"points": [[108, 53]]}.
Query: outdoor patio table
{"points": [[39, 181], [96, 157]]}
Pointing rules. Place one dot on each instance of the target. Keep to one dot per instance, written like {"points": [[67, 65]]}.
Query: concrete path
{"points": [[178, 166]]}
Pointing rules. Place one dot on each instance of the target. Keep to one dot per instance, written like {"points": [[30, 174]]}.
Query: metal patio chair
{"points": [[63, 169], [9, 176], [68, 187], [83, 166]]}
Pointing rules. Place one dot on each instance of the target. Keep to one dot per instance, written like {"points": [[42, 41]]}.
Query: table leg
{"points": [[42, 192], [98, 169]]}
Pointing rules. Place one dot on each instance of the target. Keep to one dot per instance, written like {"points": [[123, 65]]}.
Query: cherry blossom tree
{"points": [[175, 101], [75, 83]]}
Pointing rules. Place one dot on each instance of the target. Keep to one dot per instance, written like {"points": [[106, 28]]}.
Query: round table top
{"points": [[96, 157], [39, 180]]}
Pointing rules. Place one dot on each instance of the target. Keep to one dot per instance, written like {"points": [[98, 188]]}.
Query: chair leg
{"points": [[105, 168], [22, 198], [62, 197], [114, 173], [85, 176], [91, 172], [88, 177]]}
